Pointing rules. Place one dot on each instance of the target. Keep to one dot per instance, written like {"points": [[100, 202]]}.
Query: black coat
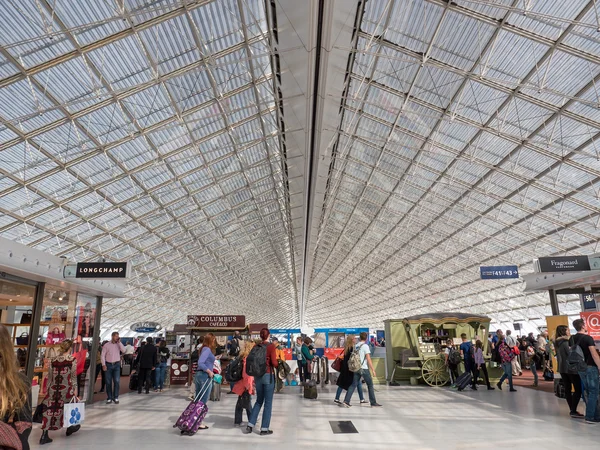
{"points": [[147, 357], [346, 377]]}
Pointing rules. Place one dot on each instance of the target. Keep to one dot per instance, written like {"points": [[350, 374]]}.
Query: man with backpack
{"points": [[260, 364], [583, 356], [364, 371], [467, 353]]}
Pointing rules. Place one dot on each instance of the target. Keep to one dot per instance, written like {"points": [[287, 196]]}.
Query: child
{"points": [[244, 388]]}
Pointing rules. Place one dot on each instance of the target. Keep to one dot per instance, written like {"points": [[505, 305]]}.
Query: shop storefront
{"points": [[42, 306]]}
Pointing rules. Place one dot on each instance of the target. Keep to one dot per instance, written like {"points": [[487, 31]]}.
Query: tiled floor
{"points": [[415, 418]]}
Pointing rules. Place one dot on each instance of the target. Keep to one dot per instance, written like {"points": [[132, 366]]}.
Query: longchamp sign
{"points": [[101, 270], [206, 321]]}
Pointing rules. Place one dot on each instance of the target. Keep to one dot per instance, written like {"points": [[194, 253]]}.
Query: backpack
{"points": [[496, 355], [233, 371], [234, 348], [256, 361], [576, 361], [354, 362], [454, 357]]}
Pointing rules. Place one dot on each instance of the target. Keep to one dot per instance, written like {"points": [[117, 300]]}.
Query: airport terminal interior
{"points": [[214, 205]]}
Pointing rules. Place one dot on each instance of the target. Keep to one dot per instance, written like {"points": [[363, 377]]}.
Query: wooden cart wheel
{"points": [[434, 372]]}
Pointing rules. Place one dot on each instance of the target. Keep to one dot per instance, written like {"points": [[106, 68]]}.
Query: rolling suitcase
{"points": [[463, 381], [325, 369], [133, 382], [559, 388], [126, 370], [310, 390], [194, 414], [215, 394]]}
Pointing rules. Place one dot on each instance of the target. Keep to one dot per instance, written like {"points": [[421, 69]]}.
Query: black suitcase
{"points": [[133, 382], [310, 390], [559, 388], [463, 381]]}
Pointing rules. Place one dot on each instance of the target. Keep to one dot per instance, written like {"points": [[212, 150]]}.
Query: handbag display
{"points": [[26, 317], [23, 339]]}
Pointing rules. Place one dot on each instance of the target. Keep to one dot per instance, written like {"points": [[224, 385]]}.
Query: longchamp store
{"points": [[43, 301]]}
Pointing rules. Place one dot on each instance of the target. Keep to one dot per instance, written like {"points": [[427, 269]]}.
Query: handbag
{"points": [[218, 378], [23, 339], [245, 400], [337, 363], [26, 317], [74, 413], [38, 415], [516, 350]]}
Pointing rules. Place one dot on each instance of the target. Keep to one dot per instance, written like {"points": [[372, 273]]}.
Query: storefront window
{"points": [[83, 334]]}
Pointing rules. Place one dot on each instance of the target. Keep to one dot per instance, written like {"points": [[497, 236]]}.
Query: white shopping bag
{"points": [[74, 414]]}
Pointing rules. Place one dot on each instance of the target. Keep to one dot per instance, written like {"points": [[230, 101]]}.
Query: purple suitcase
{"points": [[194, 414]]}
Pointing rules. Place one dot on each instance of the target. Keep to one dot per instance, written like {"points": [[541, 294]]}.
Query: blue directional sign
{"points": [[498, 272]]}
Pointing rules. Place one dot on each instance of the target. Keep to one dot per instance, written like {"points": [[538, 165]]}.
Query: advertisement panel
{"points": [[592, 323]]}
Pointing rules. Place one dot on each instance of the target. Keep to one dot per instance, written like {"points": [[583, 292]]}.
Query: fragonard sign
{"points": [[206, 321], [101, 270], [564, 264]]}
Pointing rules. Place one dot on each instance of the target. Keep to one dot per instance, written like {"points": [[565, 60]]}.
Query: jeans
{"points": [[145, 377], [265, 388], [200, 381], [338, 394], [572, 381], [533, 368], [113, 379], [363, 373], [244, 403], [590, 383], [507, 367], [159, 375]]}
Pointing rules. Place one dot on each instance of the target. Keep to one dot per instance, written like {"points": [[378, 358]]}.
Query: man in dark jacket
{"points": [[146, 362]]}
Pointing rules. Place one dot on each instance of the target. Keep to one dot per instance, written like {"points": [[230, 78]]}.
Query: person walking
{"points": [[480, 366], [244, 389], [466, 351], [62, 380], [15, 397], [279, 373], [161, 371], [204, 373], [346, 378], [506, 355], [515, 363], [572, 381], [111, 364], [299, 358], [235, 348], [590, 375], [542, 347], [265, 387], [451, 355], [367, 372], [146, 362]]}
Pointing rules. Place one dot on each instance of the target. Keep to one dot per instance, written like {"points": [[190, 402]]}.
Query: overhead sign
{"points": [[498, 272], [101, 270], [146, 327], [592, 323], [206, 321], [564, 264], [588, 302]]}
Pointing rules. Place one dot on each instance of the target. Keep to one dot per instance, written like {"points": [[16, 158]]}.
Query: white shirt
{"points": [[129, 350], [510, 341], [363, 351]]}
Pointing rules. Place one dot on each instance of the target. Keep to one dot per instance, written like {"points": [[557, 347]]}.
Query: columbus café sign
{"points": [[206, 321]]}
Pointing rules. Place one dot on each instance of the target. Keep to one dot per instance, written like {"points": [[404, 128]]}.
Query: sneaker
{"points": [[347, 405], [512, 390], [248, 430], [155, 390], [499, 386], [116, 401], [109, 401], [376, 405], [230, 392], [490, 388], [265, 433], [576, 415], [473, 388], [336, 401], [363, 402], [593, 421]]}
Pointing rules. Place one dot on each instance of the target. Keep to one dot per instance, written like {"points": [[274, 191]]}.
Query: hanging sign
{"points": [[498, 272], [206, 321], [564, 264], [592, 323], [588, 301], [101, 270], [145, 327]]}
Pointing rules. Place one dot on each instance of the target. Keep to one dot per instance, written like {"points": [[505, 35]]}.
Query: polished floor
{"points": [[415, 418]]}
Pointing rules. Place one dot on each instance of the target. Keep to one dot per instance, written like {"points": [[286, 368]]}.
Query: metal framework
{"points": [[154, 132]]}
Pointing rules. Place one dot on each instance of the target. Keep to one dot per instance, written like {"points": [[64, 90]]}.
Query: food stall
{"points": [[415, 345]]}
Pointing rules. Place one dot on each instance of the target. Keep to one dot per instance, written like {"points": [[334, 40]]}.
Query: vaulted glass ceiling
{"points": [[469, 136], [154, 132], [149, 132]]}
